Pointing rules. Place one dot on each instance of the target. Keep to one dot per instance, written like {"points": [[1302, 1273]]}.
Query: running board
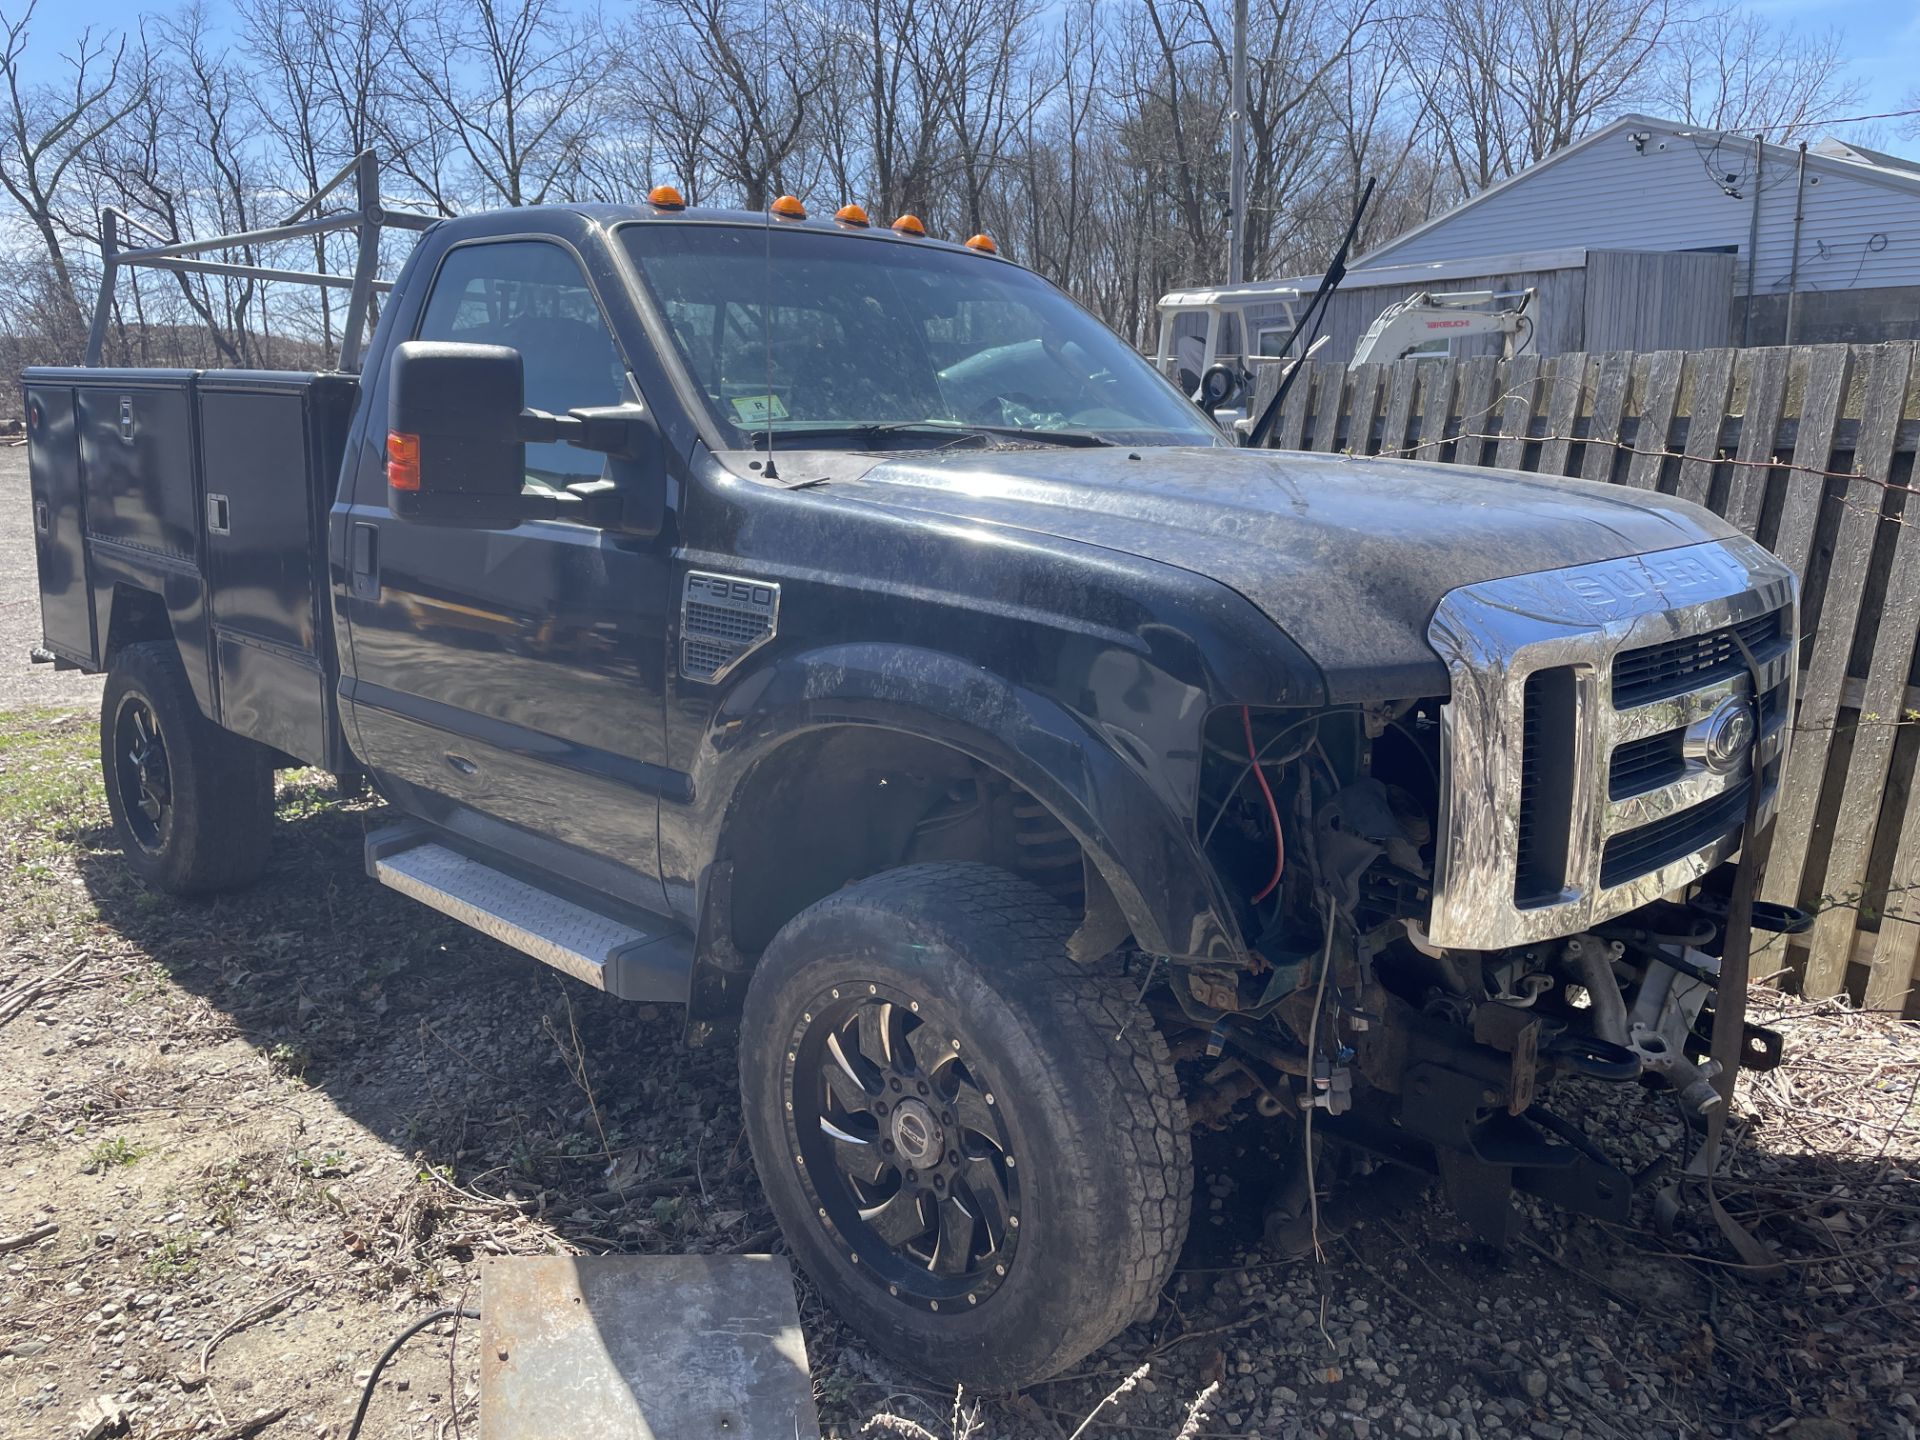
{"points": [[614, 955]]}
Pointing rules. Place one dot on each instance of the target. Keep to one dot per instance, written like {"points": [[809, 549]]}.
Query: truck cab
{"points": [[842, 634]]}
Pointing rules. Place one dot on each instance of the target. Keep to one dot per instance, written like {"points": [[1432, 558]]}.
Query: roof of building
{"points": [[1835, 148], [1874, 166]]}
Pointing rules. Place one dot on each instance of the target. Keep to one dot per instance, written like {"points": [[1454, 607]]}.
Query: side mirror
{"points": [[455, 455], [1217, 387]]}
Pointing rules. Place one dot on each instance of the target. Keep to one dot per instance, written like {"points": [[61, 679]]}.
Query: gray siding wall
{"points": [[1647, 300], [1607, 197]]}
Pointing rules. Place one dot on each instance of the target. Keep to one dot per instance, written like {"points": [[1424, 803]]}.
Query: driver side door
{"points": [[508, 683]]}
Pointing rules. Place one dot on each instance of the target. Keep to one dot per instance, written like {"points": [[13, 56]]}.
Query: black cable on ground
{"points": [[373, 1379]]}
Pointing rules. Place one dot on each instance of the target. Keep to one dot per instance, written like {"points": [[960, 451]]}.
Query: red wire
{"points": [[1279, 840]]}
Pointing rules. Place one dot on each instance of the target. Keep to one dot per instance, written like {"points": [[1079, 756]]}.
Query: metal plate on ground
{"points": [[642, 1347]]}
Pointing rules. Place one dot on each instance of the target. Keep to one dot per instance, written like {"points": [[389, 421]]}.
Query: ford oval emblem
{"points": [[1723, 739]]}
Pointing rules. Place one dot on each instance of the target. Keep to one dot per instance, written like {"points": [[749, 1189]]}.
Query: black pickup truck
{"points": [[842, 634]]}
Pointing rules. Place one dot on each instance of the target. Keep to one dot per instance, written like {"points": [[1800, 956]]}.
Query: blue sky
{"points": [[1882, 39]]}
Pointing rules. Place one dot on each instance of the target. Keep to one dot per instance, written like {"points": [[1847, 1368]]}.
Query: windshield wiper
{"points": [[874, 431]]}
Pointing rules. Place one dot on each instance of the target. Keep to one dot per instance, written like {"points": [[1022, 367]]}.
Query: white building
{"points": [[1642, 184]]}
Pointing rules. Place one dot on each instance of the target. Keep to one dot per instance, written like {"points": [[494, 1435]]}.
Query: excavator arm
{"points": [[1420, 319]]}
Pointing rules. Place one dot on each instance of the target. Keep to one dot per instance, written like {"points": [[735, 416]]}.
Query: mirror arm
{"points": [[606, 428], [589, 502], [537, 427]]}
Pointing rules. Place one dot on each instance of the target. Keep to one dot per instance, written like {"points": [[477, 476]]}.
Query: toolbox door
{"points": [[59, 526], [263, 561]]}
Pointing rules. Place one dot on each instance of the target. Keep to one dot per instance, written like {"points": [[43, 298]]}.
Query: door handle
{"points": [[365, 559]]}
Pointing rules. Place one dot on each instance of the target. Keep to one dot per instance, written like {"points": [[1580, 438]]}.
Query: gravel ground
{"points": [[273, 1128], [22, 683]]}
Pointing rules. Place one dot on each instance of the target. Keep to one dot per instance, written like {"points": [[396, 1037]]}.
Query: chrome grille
{"points": [[1641, 765], [1599, 745], [1654, 672], [1636, 852]]}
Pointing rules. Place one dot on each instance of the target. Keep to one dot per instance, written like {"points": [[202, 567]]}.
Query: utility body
{"points": [[843, 635]]}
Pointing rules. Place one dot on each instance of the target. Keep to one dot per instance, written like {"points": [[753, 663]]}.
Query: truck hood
{"points": [[1348, 555]]}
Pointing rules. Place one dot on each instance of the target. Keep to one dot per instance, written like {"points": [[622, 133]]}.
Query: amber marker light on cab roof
{"points": [[984, 243], [665, 197], [910, 225], [788, 207], [851, 215], [403, 460]]}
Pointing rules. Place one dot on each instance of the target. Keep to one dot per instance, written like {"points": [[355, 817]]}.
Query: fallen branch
{"points": [[258, 1313], [253, 1425], [27, 1237], [18, 1001]]}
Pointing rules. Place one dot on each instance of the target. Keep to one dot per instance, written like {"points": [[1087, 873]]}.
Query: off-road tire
{"points": [[215, 831], [1087, 1093]]}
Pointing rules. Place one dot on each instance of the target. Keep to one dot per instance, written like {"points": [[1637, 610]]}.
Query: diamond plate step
{"points": [[611, 954]]}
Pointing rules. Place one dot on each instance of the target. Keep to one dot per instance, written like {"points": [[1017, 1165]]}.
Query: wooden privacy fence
{"points": [[1809, 450]]}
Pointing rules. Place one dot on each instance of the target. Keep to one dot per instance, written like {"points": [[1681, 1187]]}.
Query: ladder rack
{"points": [[367, 218]]}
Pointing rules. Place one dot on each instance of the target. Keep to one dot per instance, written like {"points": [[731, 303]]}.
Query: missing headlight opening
{"points": [[1439, 1058]]}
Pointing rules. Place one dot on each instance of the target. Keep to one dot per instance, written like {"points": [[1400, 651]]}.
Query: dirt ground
{"points": [[244, 1142], [22, 683]]}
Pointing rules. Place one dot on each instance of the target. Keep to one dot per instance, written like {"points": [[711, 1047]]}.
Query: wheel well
{"points": [[138, 615], [834, 806]]}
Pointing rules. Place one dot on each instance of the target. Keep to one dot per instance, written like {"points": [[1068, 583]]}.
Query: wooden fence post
{"points": [[1759, 424], [1707, 419], [1659, 402], [1516, 416]]}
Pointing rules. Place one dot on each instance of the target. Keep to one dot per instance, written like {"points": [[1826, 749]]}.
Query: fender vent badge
{"points": [[724, 619]]}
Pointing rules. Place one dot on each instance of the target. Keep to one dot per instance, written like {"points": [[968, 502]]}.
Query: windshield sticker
{"points": [[758, 409]]}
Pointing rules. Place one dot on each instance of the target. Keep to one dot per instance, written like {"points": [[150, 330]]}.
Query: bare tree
{"points": [[734, 88], [49, 128], [879, 128], [515, 86], [1523, 78], [1729, 71], [974, 51]]}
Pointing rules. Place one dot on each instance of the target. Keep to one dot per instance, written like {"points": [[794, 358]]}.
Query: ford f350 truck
{"points": [[841, 634]]}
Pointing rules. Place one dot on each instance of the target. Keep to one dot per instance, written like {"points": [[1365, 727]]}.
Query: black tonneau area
{"points": [[195, 503]]}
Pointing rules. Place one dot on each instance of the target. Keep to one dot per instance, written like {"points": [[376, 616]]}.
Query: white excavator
{"points": [[1420, 320]]}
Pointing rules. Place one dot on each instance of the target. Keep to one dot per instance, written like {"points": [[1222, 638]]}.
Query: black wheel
{"points": [[975, 1146], [192, 804]]}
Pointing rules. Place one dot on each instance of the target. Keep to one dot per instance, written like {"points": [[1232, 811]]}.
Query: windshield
{"points": [[868, 344]]}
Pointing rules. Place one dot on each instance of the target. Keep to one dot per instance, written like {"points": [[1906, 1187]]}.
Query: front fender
{"points": [[1144, 852]]}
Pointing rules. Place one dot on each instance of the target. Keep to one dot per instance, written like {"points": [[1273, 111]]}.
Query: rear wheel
{"points": [[976, 1147], [192, 804]]}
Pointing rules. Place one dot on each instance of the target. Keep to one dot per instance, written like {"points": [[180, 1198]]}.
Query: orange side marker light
{"points": [[403, 460]]}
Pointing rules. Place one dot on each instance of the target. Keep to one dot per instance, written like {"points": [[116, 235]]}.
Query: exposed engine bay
{"points": [[1322, 825]]}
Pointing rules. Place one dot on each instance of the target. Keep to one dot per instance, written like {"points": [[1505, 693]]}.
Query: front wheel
{"points": [[975, 1146]]}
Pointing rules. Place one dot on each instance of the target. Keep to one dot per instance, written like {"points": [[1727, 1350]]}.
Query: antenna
{"points": [[766, 220]]}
